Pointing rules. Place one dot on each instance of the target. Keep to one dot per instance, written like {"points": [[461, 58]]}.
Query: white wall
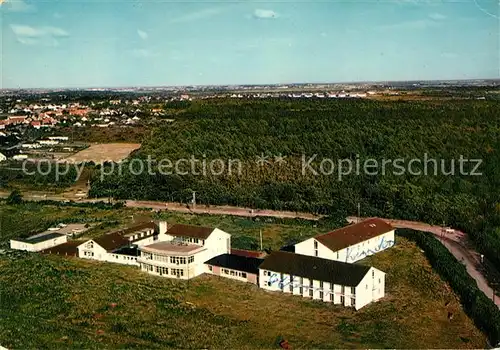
{"points": [[371, 288], [367, 248], [219, 242], [361, 295], [307, 248], [350, 254], [122, 259], [36, 247], [85, 251]]}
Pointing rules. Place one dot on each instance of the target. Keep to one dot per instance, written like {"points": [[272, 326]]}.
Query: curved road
{"points": [[456, 242]]}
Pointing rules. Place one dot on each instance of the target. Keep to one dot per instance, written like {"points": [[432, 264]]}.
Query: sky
{"points": [[113, 43]]}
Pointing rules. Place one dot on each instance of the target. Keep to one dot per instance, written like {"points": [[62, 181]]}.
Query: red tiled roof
{"points": [[67, 249], [355, 233], [248, 253], [181, 230], [111, 241]]}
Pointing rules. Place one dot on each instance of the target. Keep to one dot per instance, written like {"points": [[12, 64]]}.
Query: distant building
{"points": [[351, 243], [2, 157], [38, 242], [322, 279], [20, 157], [59, 138]]}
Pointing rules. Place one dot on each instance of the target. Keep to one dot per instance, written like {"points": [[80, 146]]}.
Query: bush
{"points": [[477, 305]]}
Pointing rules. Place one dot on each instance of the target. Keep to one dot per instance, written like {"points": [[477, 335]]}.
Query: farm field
{"points": [[104, 152], [76, 303]]}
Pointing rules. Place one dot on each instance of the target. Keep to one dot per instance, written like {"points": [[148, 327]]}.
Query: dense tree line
{"points": [[335, 129], [476, 304]]}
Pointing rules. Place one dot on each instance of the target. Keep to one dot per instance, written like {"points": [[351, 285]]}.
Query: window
{"points": [[379, 281], [342, 290], [321, 284], [232, 273], [366, 286], [269, 284], [353, 290], [310, 292], [342, 299], [244, 275], [311, 283], [191, 259], [210, 268], [301, 281], [315, 244], [301, 291], [315, 252], [291, 287], [321, 295], [337, 255], [373, 273], [353, 302], [331, 296]]}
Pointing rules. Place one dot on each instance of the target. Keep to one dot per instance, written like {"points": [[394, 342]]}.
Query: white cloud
{"points": [[259, 13], [142, 34], [437, 16], [47, 35], [18, 6]]}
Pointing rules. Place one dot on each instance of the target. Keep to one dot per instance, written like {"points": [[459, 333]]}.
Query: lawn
{"points": [[56, 302]]}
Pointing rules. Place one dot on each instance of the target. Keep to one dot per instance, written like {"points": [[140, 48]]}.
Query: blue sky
{"points": [[97, 43]]}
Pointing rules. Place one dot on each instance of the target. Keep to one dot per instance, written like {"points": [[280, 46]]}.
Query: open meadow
{"points": [[104, 152], [56, 302]]}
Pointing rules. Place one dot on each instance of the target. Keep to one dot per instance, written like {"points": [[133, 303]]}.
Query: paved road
{"points": [[457, 243]]}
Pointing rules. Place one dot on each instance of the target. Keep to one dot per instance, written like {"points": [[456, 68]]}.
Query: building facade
{"points": [[351, 243], [337, 282], [122, 246], [237, 267], [38, 242], [184, 251]]}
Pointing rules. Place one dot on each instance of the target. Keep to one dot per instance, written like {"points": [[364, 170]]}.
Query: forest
{"points": [[333, 129]]}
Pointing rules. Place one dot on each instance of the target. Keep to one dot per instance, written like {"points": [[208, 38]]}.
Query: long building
{"points": [[351, 243], [332, 281]]}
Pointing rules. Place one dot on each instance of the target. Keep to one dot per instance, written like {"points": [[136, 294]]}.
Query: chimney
{"points": [[163, 227]]}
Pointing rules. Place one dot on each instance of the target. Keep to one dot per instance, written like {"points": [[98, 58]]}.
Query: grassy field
{"points": [[49, 301]]}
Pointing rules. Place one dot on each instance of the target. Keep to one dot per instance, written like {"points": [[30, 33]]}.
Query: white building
{"points": [[185, 251], [351, 243], [2, 157], [20, 157], [48, 142], [60, 138], [38, 242], [321, 279], [121, 246]]}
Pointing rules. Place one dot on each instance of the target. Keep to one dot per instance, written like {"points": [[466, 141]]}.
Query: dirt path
{"points": [[220, 210], [457, 243]]}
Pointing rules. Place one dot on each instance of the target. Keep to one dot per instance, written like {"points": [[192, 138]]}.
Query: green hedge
{"points": [[477, 305]]}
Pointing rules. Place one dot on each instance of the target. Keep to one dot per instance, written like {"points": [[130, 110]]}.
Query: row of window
{"points": [[163, 270], [179, 260], [126, 257], [234, 273], [88, 253]]}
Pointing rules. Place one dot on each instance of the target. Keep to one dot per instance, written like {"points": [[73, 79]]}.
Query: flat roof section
{"points": [[168, 248], [41, 237]]}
